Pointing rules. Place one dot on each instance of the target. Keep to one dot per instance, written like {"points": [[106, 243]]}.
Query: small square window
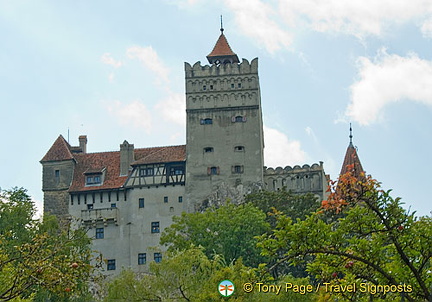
{"points": [[237, 169], [239, 85], [213, 171], [166, 199], [57, 173], [142, 258], [155, 227], [211, 87], [157, 257], [113, 205], [180, 199], [99, 233], [208, 149], [141, 203], [239, 148], [111, 264], [90, 207], [232, 85]]}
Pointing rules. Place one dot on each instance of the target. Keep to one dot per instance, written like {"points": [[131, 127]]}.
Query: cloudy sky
{"points": [[114, 70]]}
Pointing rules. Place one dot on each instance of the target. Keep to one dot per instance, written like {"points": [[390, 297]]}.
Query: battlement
{"points": [[198, 70], [296, 169]]}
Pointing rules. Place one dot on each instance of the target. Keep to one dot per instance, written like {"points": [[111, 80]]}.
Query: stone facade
{"points": [[126, 198]]}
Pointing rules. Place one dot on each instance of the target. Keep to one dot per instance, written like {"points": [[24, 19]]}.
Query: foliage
{"points": [[371, 240], [228, 231], [36, 256], [182, 276], [286, 202]]}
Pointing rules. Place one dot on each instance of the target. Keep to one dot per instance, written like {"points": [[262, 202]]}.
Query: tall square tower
{"points": [[224, 129]]}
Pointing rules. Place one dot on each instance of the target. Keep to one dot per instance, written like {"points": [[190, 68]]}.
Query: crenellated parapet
{"points": [[198, 70], [224, 85], [298, 179]]}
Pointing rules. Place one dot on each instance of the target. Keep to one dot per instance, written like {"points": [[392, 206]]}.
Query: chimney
{"points": [[83, 143], [126, 157]]}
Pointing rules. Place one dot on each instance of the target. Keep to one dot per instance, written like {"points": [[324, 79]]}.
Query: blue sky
{"points": [[114, 70]]}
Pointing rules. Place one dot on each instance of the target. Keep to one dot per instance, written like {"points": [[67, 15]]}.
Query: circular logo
{"points": [[226, 288]]}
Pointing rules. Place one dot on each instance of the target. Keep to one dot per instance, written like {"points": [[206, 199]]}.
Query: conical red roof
{"points": [[222, 52], [352, 162]]}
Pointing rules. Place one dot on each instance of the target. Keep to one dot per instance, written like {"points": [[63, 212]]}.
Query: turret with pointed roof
{"points": [[351, 161], [222, 52]]}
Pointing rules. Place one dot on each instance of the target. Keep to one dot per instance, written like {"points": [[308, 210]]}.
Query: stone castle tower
{"points": [[224, 132]]}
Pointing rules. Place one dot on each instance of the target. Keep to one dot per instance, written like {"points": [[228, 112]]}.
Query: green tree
{"points": [[228, 231], [373, 243], [36, 256], [292, 205]]}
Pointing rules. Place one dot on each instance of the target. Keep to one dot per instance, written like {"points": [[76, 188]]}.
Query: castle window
{"points": [[208, 149], [232, 85], [213, 171], [165, 199], [211, 87], [237, 169], [142, 258], [238, 119], [239, 148], [146, 172], [93, 180], [113, 205], [206, 121], [111, 265], [180, 199], [204, 87], [141, 203], [99, 233], [90, 207], [179, 170], [155, 227], [171, 209], [57, 176], [239, 85], [157, 257]]}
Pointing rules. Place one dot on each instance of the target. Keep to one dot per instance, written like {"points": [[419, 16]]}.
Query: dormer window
{"points": [[94, 177], [93, 180]]}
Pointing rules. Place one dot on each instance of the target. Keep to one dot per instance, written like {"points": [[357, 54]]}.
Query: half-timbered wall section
{"points": [[157, 174]]}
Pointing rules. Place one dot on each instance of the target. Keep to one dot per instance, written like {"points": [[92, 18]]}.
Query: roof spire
{"points": [[350, 136], [222, 52], [221, 29]]}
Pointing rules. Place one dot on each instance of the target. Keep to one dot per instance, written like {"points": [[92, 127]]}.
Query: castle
{"points": [[126, 198]]}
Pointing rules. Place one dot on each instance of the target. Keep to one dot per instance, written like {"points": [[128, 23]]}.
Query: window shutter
{"points": [[244, 119], [217, 170], [208, 170], [233, 119]]}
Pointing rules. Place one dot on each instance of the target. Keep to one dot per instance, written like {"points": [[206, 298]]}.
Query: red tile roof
{"points": [[351, 161], [221, 50], [110, 161], [59, 151]]}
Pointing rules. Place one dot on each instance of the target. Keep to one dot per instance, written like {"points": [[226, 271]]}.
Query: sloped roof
{"points": [[109, 163], [160, 155], [59, 151], [222, 50], [351, 162]]}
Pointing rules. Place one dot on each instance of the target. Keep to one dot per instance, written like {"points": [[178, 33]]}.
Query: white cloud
{"points": [[280, 151], [134, 114], [107, 59], [256, 20], [173, 108], [354, 17], [150, 60], [426, 28], [386, 79]]}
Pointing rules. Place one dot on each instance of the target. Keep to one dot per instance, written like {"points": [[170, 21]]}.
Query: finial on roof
{"points": [[350, 136], [221, 29]]}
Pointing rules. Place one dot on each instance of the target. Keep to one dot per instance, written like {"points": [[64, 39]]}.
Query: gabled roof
{"points": [[59, 151], [109, 164], [222, 52]]}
